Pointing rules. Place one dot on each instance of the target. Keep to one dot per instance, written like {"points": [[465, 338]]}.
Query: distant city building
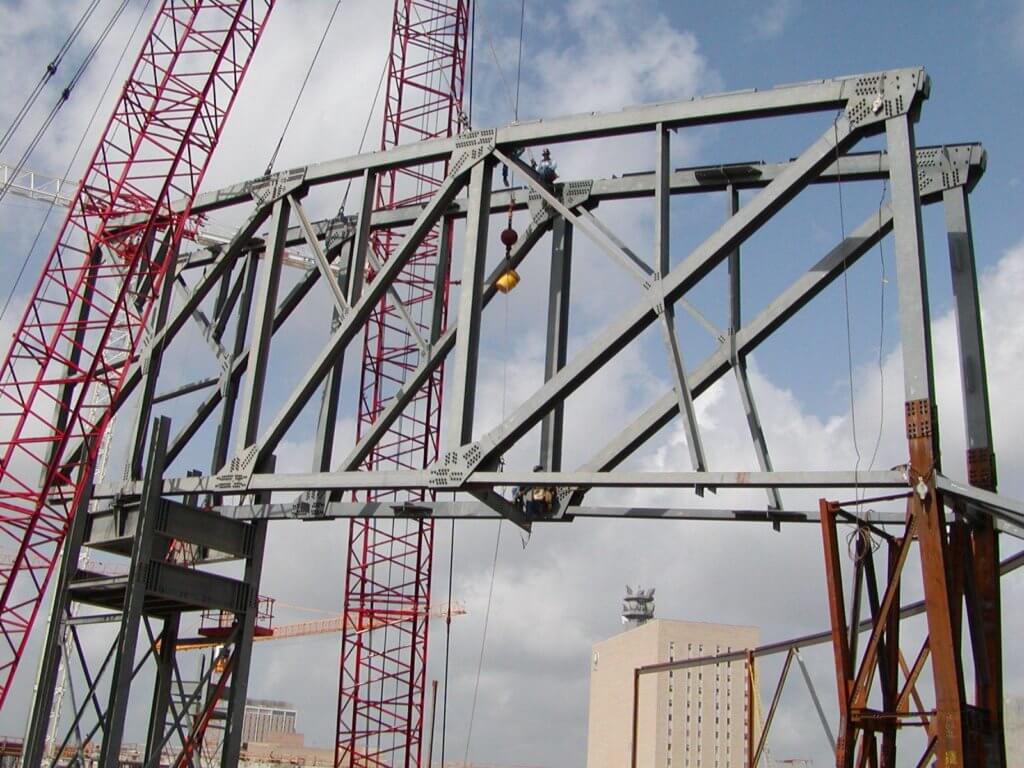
{"points": [[1013, 729], [691, 718], [267, 720]]}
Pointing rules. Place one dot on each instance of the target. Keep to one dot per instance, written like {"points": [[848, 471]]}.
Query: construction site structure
{"points": [[228, 509], [383, 665]]}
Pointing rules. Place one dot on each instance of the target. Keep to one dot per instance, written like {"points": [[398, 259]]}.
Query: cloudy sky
{"points": [[557, 595]]}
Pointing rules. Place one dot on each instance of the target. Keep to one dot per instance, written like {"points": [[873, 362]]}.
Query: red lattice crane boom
{"points": [[85, 320], [387, 583]]}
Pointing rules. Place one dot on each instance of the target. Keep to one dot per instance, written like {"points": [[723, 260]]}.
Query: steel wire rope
{"points": [[846, 306], [48, 73], [504, 396], [451, 556], [64, 96], [302, 88], [74, 158], [881, 326]]}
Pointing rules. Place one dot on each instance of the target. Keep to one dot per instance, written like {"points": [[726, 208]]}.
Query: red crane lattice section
{"points": [[86, 317], [387, 583]]}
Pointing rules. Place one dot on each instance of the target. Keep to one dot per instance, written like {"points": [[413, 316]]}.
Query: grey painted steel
{"points": [[739, 362], [486, 480], [162, 688], [439, 350], [53, 649], [683, 277], [467, 345], [243, 649], [814, 96], [354, 321], [817, 702], [559, 287], [963, 270], [264, 302], [134, 598], [662, 247], [472, 510], [780, 310], [915, 326], [152, 358]]}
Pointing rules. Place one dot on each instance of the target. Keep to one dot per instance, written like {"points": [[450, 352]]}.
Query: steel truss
{"points": [[886, 103]]}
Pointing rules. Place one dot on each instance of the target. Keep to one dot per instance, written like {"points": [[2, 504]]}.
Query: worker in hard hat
{"points": [[547, 169], [536, 500]]}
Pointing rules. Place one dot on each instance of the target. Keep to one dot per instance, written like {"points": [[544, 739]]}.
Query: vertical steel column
{"points": [[981, 472], [135, 595], [840, 639], [243, 647], [559, 286], [467, 344], [662, 244], [739, 362], [922, 435], [162, 688], [53, 645], [264, 304], [152, 356], [229, 384], [327, 418]]}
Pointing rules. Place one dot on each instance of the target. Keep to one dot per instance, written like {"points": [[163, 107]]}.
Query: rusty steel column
{"points": [[984, 603], [948, 735], [840, 636]]}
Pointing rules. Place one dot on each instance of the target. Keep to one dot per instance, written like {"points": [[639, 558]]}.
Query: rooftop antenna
{"points": [[637, 606]]}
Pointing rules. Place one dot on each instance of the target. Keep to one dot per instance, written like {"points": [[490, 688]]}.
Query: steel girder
{"points": [[881, 103]]}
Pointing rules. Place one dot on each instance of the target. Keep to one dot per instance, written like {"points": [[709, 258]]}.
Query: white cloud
{"points": [[771, 20]]}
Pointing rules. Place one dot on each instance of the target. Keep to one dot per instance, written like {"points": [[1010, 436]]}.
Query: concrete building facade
{"points": [[691, 718]]}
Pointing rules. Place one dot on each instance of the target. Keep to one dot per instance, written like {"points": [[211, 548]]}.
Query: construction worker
{"points": [[515, 154], [547, 169], [536, 500]]}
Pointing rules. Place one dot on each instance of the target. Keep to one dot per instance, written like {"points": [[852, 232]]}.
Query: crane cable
{"points": [[64, 96], [48, 73], [504, 380], [305, 80], [78, 149], [451, 551]]}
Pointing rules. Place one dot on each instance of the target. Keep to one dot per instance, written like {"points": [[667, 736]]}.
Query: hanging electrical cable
{"points": [[883, 279], [48, 73], [846, 308], [298, 96], [74, 158]]}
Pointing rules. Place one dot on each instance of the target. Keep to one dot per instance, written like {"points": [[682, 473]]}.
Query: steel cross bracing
{"points": [[101, 283], [868, 105], [382, 676]]}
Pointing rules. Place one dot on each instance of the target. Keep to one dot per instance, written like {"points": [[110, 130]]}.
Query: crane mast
{"points": [[85, 322], [387, 582]]}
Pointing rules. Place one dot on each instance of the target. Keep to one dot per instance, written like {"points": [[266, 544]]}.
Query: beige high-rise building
{"points": [[1013, 730], [690, 718]]}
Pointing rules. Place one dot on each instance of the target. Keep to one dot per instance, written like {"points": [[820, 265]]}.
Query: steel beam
{"points": [[467, 345], [555, 350]]}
